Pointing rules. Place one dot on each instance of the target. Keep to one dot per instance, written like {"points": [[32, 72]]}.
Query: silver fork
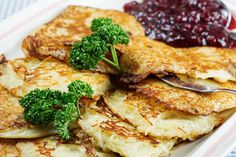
{"points": [[175, 81]]}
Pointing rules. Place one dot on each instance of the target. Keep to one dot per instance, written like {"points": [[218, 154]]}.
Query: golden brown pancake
{"points": [[13, 73], [8, 148], [55, 37], [112, 133], [52, 146], [21, 78], [185, 100], [144, 56], [12, 123], [151, 117]]}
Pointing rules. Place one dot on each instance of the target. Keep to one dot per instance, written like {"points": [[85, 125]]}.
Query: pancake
{"points": [[185, 100], [8, 148], [55, 37], [49, 73], [12, 73], [111, 133], [52, 146], [152, 118], [23, 75], [12, 123], [144, 56]]}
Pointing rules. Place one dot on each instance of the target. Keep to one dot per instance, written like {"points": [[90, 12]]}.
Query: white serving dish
{"points": [[15, 28]]}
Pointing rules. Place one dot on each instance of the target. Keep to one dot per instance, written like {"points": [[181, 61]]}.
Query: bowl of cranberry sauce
{"points": [[183, 23]]}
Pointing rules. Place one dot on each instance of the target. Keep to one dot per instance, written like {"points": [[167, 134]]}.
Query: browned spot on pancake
{"points": [[186, 101], [11, 113], [113, 125], [2, 59], [8, 148], [42, 149], [31, 44]]}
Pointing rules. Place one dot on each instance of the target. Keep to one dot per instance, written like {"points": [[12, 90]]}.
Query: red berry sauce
{"points": [[183, 23]]}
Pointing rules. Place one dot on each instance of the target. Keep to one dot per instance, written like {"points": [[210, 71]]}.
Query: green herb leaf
{"points": [[43, 107], [86, 54]]}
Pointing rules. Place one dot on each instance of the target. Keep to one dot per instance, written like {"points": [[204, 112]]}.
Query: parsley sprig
{"points": [[45, 107], [92, 49]]}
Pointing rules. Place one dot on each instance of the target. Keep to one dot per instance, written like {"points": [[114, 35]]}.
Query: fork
{"points": [[188, 84]]}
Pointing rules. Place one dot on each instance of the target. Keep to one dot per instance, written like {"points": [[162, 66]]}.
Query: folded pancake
{"points": [[52, 146], [152, 118], [144, 56], [185, 100], [12, 123], [49, 73], [55, 37], [111, 133], [8, 148]]}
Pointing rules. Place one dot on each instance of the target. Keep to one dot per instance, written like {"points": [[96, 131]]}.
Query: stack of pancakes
{"points": [[135, 114]]}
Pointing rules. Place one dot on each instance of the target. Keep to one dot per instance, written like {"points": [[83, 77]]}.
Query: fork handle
{"points": [[226, 90], [232, 33]]}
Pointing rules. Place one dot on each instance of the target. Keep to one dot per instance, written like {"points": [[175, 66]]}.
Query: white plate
{"points": [[15, 28]]}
